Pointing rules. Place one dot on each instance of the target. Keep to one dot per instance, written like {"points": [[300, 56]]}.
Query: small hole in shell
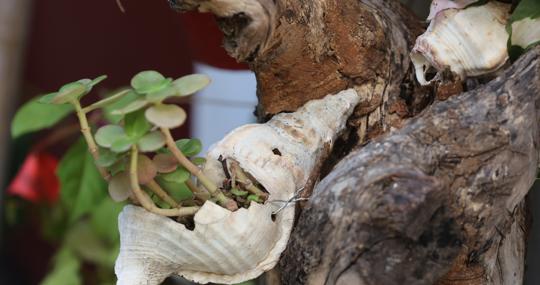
{"points": [[276, 151], [273, 216]]}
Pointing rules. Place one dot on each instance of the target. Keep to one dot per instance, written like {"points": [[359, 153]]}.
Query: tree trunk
{"points": [[434, 199]]}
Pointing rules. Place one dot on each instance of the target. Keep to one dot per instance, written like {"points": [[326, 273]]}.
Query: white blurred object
{"points": [[228, 102]]}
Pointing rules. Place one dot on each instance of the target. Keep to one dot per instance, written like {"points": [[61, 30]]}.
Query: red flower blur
{"points": [[36, 180]]}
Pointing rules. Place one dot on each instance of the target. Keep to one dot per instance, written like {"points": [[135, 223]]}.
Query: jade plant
{"points": [[135, 151]]}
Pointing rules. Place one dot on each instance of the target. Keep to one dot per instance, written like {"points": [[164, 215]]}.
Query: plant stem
{"points": [[162, 194], [242, 177], [145, 200], [106, 101], [87, 134], [199, 194], [197, 172]]}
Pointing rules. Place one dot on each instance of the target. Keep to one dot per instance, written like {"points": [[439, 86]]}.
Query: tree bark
{"points": [[438, 200], [443, 191]]}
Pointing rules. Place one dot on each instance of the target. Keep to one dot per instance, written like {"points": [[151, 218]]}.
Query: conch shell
{"points": [[232, 247], [471, 41]]}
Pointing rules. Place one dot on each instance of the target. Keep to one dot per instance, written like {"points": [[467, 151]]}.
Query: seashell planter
{"points": [[231, 247], [470, 42]]}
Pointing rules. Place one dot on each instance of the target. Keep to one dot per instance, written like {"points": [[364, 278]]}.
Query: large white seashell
{"points": [[471, 41], [231, 247]]}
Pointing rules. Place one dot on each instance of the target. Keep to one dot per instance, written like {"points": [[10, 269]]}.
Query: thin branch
{"points": [[162, 194]]}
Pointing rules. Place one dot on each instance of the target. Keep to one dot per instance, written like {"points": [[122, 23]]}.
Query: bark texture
{"points": [[448, 185], [304, 50]]}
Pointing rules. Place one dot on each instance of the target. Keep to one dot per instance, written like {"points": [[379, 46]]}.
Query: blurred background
{"points": [[45, 44]]}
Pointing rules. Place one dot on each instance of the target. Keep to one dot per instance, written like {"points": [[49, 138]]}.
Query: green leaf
{"points": [[238, 192], [85, 242], [82, 187], [131, 107], [198, 160], [180, 175], [151, 142], [120, 187], [106, 158], [34, 116], [107, 135], [178, 191], [118, 167], [69, 92], [136, 125], [166, 116], [161, 95], [122, 144], [149, 81], [65, 270], [191, 84], [146, 170], [189, 147], [97, 80], [104, 220], [119, 104], [524, 28], [165, 162], [254, 198]]}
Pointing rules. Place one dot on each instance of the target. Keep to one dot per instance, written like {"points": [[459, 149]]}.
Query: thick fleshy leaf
{"points": [[120, 187], [136, 125], [131, 107], [122, 144], [107, 135], [106, 158], [149, 81], [161, 95], [198, 160], [254, 198], [178, 191], [151, 142], [34, 116], [189, 147], [239, 193], [146, 170], [97, 80], [69, 92], [166, 116], [191, 84], [180, 175], [165, 163], [119, 104]]}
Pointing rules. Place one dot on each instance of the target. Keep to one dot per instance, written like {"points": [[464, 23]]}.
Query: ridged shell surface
{"points": [[470, 42], [232, 247]]}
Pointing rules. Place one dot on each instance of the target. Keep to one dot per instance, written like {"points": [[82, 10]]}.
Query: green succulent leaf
{"points": [[82, 187], [107, 135], [122, 144], [189, 147], [180, 175], [97, 80], [254, 198], [146, 170], [238, 192], [136, 125], [198, 160], [178, 191], [191, 84], [159, 96], [34, 116], [120, 187], [151, 142], [107, 158], [149, 81], [67, 93], [166, 116], [165, 162], [130, 108]]}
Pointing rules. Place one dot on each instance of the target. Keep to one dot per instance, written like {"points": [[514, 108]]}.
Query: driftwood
{"points": [[401, 209], [436, 201]]}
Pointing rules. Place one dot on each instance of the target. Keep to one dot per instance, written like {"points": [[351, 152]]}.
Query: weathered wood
{"points": [[402, 208], [304, 50]]}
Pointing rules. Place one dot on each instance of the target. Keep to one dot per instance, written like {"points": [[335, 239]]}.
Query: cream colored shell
{"points": [[232, 247], [471, 41]]}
